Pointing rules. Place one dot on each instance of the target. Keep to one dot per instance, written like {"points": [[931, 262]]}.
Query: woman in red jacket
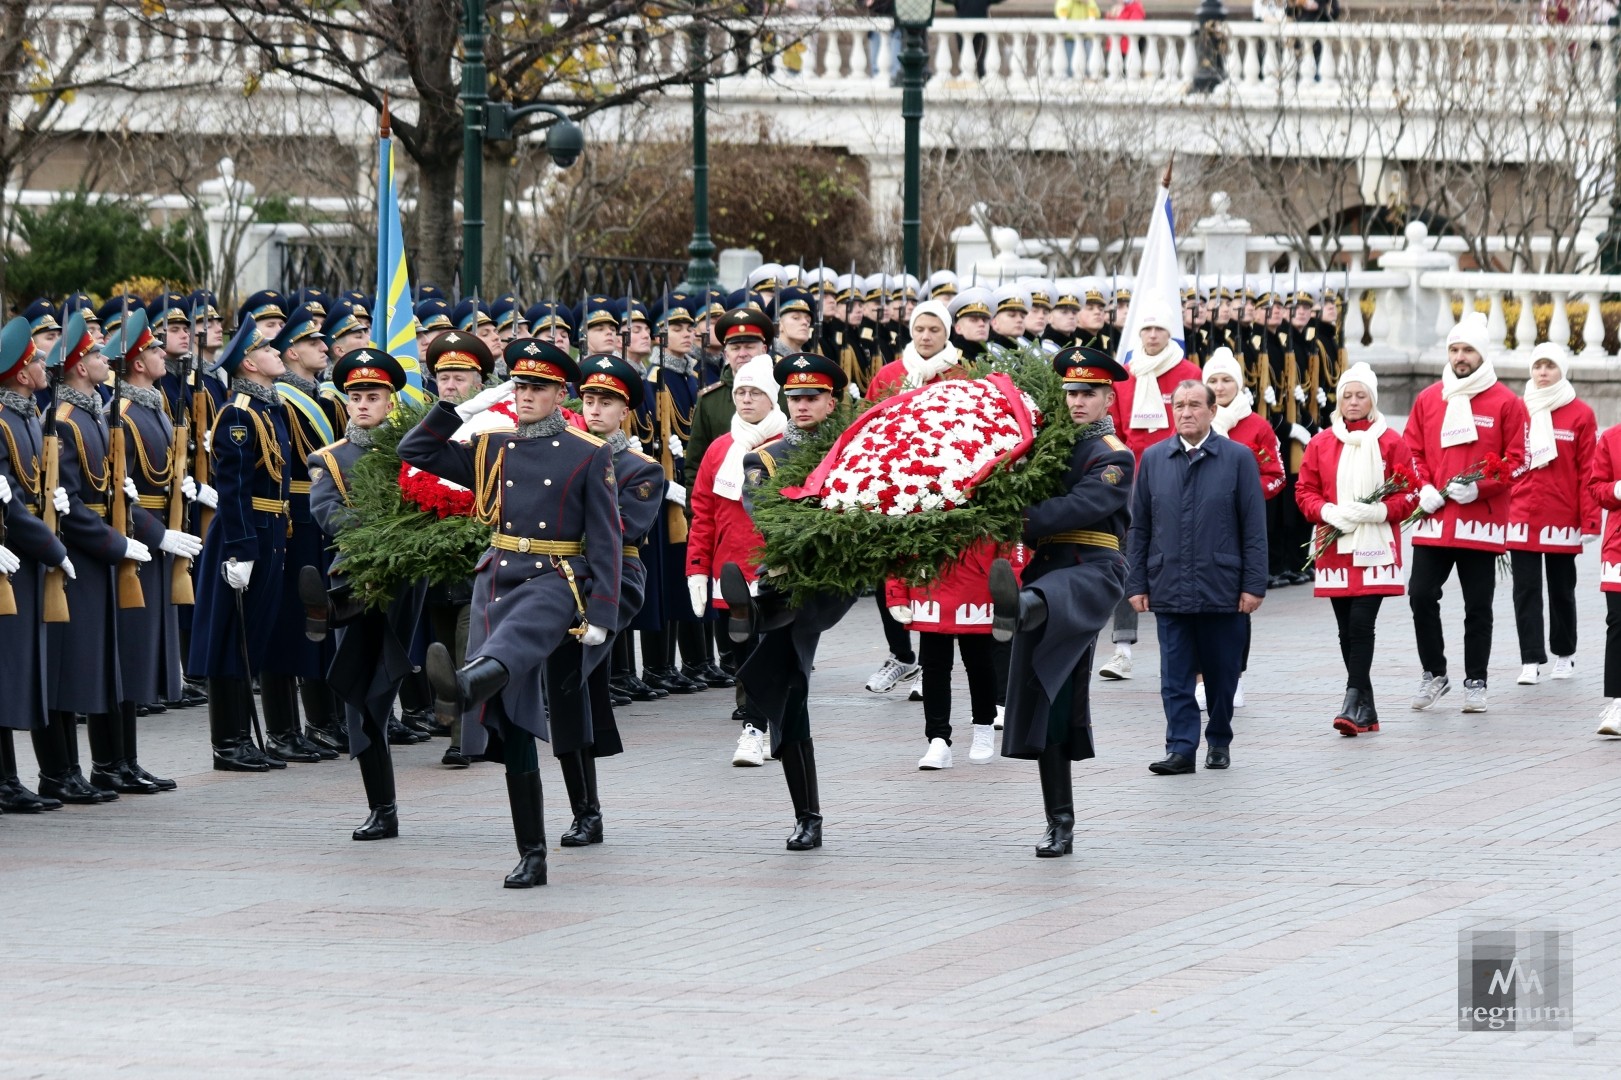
{"points": [[1552, 512], [1342, 468], [1605, 488], [954, 610]]}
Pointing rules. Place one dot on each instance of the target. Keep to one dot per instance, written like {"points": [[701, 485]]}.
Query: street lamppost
{"points": [[913, 17], [485, 119], [701, 270]]}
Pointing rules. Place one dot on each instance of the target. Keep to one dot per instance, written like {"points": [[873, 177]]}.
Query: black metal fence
{"points": [[336, 265]]}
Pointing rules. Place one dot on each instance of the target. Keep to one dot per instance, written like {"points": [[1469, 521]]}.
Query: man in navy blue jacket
{"points": [[1196, 558]]}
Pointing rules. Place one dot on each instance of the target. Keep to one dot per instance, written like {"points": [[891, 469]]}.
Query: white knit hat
{"points": [[1471, 331], [759, 374], [937, 308], [1359, 372], [1156, 316], [1222, 362], [1552, 350]]}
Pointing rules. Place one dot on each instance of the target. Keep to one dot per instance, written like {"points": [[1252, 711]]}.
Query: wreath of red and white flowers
{"points": [[925, 449]]}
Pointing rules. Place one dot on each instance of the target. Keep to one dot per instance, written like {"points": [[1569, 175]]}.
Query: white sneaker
{"points": [[1238, 693], [1001, 717], [1528, 675], [1198, 695], [1610, 719], [1118, 666], [750, 747], [938, 757], [891, 675], [1563, 667], [984, 747], [765, 747], [916, 694]]}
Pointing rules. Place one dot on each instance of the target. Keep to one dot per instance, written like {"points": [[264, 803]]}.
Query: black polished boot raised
{"points": [[382, 824]]}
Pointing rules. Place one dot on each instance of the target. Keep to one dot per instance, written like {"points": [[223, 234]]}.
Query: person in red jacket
{"points": [[1342, 468], [1551, 512], [1604, 486], [954, 609], [1454, 429], [722, 530], [1236, 419], [1142, 417]]}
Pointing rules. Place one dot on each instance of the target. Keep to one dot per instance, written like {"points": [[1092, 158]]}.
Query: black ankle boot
{"points": [[383, 823], [1345, 722], [579, 774], [529, 828], [1058, 794], [227, 702]]}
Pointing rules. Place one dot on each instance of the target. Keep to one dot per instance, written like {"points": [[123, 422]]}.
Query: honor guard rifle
{"points": [[180, 591], [198, 422], [675, 520], [56, 597], [129, 574]]}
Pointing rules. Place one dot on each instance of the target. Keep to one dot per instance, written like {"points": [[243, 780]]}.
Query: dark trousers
{"points": [[1287, 530], [935, 653], [1528, 574], [895, 635], [1357, 616], [1612, 645], [1477, 578], [1211, 642]]}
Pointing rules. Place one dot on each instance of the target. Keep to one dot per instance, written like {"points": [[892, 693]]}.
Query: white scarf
{"points": [[1458, 425], [921, 372], [745, 437], [1540, 446], [1362, 469], [1228, 415], [1148, 411]]}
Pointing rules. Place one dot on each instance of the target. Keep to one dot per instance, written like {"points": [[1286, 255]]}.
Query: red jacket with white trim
{"points": [[1552, 507], [1500, 423]]}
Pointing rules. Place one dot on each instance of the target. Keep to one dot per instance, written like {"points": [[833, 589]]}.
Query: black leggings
{"points": [[1357, 616], [935, 652], [1612, 645]]}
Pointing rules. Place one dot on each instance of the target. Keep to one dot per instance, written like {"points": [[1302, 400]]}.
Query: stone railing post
{"points": [[1224, 237], [1415, 311]]}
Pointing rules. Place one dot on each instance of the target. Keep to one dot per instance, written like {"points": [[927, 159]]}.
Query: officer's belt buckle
{"points": [[523, 545]]}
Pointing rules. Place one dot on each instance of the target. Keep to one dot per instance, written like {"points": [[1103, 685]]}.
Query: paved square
{"points": [[1296, 914]]}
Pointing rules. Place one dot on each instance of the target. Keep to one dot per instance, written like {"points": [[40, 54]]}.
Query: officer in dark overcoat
{"points": [[33, 547], [1072, 582], [238, 579], [547, 490]]}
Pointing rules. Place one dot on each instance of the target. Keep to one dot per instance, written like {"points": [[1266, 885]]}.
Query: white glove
{"points": [[136, 551], [9, 563], [698, 590], [1299, 434], [181, 544], [1618, 489], [59, 499], [677, 447], [594, 635], [208, 442], [1336, 518], [1430, 500], [66, 567], [1271, 396], [130, 489], [634, 442], [208, 496], [1300, 394], [675, 493], [5, 490], [1322, 397], [238, 573], [1463, 493], [482, 400], [1588, 538], [854, 393], [1365, 513], [188, 488], [901, 613]]}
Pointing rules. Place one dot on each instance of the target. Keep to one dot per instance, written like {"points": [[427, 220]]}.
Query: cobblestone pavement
{"points": [[1296, 914]]}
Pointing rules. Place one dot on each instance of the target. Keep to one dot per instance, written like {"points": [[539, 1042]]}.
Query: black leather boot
{"points": [[529, 827], [1058, 794], [1345, 720], [741, 616], [317, 699], [1368, 718], [579, 777], [312, 594], [377, 776], [109, 769], [227, 715], [1013, 609], [131, 758], [56, 746], [278, 694], [458, 691], [14, 797], [799, 770]]}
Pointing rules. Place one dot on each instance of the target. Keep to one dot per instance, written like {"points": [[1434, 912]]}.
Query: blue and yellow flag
{"points": [[393, 325]]}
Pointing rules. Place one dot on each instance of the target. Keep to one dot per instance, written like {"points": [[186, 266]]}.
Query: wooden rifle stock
{"points": [[8, 599], [180, 573], [199, 461], [56, 596], [129, 574]]}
